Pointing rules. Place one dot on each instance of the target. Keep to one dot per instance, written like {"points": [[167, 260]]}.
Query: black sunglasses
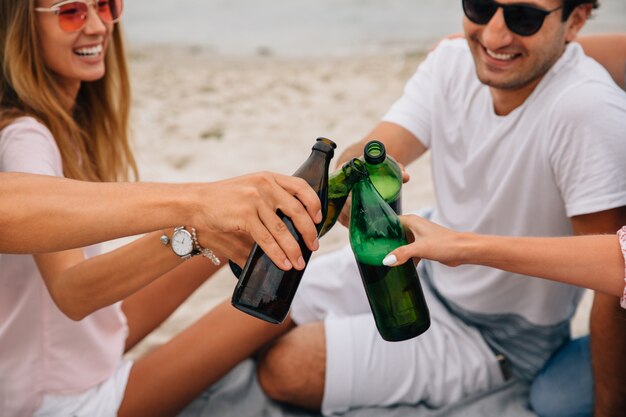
{"points": [[521, 19]]}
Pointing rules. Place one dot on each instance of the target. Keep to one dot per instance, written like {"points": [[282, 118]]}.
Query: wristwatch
{"points": [[183, 243]]}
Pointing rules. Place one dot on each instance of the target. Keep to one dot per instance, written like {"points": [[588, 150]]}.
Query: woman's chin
{"points": [[93, 76]]}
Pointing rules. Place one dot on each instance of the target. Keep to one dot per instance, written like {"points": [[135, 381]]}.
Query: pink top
{"points": [[41, 350], [621, 233]]}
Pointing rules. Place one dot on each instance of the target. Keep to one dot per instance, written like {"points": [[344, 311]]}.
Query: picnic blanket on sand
{"points": [[238, 395]]}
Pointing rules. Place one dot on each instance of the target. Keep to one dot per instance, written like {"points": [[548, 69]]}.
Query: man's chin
{"points": [[503, 83]]}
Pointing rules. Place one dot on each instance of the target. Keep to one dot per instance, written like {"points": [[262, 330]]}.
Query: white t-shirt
{"points": [[560, 154], [42, 351]]}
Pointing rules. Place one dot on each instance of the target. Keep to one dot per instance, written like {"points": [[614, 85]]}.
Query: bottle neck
{"points": [[317, 163], [363, 189]]}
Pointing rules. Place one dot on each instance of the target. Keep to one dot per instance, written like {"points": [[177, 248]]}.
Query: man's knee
{"points": [[293, 369], [564, 388]]}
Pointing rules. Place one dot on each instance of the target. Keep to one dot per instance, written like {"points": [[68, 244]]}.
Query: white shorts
{"points": [[449, 361], [103, 400]]}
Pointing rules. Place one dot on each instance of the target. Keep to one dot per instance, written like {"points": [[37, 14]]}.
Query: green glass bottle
{"points": [[264, 290], [394, 293], [339, 187], [385, 174]]}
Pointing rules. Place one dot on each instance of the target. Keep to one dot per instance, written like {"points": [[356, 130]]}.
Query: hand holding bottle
{"points": [[264, 290], [247, 205], [431, 241], [592, 261]]}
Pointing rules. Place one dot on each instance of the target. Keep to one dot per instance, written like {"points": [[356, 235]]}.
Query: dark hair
{"points": [[570, 5]]}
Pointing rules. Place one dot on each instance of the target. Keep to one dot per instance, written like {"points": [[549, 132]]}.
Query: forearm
{"points": [[106, 279], [81, 213], [593, 262], [150, 306], [399, 143], [353, 151]]}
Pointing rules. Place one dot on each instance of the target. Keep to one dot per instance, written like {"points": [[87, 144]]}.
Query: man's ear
{"points": [[577, 20]]}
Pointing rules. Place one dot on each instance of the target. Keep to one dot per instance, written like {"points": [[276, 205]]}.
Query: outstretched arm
{"points": [[43, 214], [593, 262], [225, 213]]}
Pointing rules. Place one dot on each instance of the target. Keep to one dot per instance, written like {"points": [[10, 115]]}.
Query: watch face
{"points": [[182, 243]]}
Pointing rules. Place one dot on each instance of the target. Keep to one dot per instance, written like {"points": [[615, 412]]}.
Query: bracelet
{"points": [[207, 253], [621, 234], [198, 250]]}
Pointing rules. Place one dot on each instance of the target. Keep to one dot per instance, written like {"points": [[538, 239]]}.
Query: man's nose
{"points": [[496, 34]]}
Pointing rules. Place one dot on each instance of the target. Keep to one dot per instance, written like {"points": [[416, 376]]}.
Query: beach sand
{"points": [[199, 116]]}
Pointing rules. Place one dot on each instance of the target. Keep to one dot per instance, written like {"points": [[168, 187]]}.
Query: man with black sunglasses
{"points": [[526, 136]]}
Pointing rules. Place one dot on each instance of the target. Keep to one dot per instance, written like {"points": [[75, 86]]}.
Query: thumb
{"points": [[401, 255], [405, 175]]}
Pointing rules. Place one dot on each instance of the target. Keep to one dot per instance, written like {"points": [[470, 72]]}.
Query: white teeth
{"points": [[92, 51], [502, 57]]}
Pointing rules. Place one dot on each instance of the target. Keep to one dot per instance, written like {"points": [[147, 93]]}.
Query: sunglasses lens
{"points": [[72, 16], [524, 20], [110, 10], [479, 11]]}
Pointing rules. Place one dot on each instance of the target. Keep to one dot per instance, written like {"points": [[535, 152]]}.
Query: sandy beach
{"points": [[199, 116]]}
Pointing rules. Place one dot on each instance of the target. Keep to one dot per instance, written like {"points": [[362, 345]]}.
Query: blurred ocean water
{"points": [[310, 27]]}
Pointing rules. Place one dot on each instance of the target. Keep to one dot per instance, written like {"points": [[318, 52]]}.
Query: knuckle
{"points": [[302, 184], [280, 227], [266, 238], [261, 179], [251, 192], [295, 207], [267, 177]]}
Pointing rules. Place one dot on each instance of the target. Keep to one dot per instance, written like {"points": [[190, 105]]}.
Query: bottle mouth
{"points": [[327, 142], [374, 152], [357, 168]]}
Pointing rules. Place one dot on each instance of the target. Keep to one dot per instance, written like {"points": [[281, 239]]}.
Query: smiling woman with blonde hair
{"points": [[95, 130], [66, 318]]}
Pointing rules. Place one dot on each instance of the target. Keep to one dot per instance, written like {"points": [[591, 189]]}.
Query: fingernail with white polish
{"points": [[390, 260]]}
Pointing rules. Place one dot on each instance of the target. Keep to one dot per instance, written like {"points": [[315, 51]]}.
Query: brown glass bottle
{"points": [[264, 290]]}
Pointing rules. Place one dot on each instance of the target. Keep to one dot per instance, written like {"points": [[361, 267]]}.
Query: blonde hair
{"points": [[93, 136]]}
